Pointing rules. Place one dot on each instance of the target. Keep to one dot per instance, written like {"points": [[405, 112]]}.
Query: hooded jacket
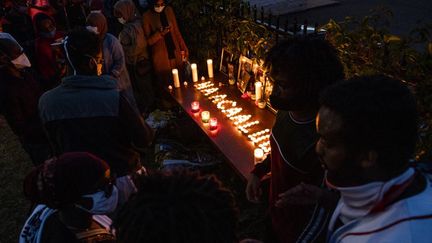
{"points": [[132, 36], [89, 113]]}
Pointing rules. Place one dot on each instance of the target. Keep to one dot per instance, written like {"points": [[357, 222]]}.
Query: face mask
{"points": [[92, 29], [159, 9], [21, 62], [101, 203], [121, 20]]}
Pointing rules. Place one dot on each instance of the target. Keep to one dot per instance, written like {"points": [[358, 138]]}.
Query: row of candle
{"points": [[194, 70], [259, 139]]}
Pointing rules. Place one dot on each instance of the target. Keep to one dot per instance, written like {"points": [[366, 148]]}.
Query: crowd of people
{"points": [[78, 77]]}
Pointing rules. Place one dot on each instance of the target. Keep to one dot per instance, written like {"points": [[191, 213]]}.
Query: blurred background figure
{"points": [[19, 96], [45, 60], [17, 22], [164, 38], [114, 63], [178, 207], [73, 193], [136, 53]]}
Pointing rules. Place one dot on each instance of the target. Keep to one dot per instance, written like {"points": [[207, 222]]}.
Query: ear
{"points": [[369, 159]]}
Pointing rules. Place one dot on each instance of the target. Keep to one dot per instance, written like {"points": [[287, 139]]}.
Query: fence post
{"points": [[255, 12], [270, 18], [262, 15]]}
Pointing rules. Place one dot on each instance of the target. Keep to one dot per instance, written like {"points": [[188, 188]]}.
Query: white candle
{"points": [[258, 155], [194, 72], [258, 90], [176, 78], [205, 116], [210, 68]]}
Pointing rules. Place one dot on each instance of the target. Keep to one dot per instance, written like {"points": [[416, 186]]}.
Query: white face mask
{"points": [[21, 62], [121, 20], [93, 29], [159, 9], [101, 203]]}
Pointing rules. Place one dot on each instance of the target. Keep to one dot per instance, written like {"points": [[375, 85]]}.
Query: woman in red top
{"points": [[47, 34]]}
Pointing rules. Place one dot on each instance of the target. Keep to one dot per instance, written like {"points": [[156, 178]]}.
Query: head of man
{"points": [[300, 69], [368, 130], [83, 52], [178, 207]]}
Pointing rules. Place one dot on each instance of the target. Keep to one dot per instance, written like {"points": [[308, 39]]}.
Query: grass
{"points": [[14, 165]]}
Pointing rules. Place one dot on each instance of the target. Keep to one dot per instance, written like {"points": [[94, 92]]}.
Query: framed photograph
{"points": [[244, 73], [225, 61], [268, 88]]}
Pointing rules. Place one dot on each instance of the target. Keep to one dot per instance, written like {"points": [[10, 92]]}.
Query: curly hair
{"points": [[178, 207], [306, 64], [378, 113]]}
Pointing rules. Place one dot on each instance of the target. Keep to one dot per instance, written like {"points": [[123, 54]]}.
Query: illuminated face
{"points": [[343, 167]]}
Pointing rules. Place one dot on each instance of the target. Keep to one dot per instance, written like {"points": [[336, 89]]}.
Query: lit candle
{"points": [[176, 78], [213, 123], [258, 155], [194, 72], [170, 87], [185, 83], [202, 78], [258, 90], [210, 68], [195, 106], [205, 116]]}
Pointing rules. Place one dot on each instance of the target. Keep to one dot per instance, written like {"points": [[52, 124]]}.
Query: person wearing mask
{"points": [[368, 129], [164, 39], [300, 69], [137, 55], [46, 63], [87, 112], [114, 63], [19, 95], [19, 24], [73, 193]]}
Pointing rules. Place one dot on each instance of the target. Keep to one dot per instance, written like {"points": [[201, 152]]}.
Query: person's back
{"points": [[88, 113], [19, 95]]}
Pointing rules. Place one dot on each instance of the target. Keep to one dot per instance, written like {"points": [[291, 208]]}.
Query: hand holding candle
{"points": [[210, 68], [176, 78]]}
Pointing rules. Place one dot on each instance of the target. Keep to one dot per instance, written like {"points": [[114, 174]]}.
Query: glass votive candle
{"points": [[258, 155], [195, 106], [213, 123], [205, 116]]}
